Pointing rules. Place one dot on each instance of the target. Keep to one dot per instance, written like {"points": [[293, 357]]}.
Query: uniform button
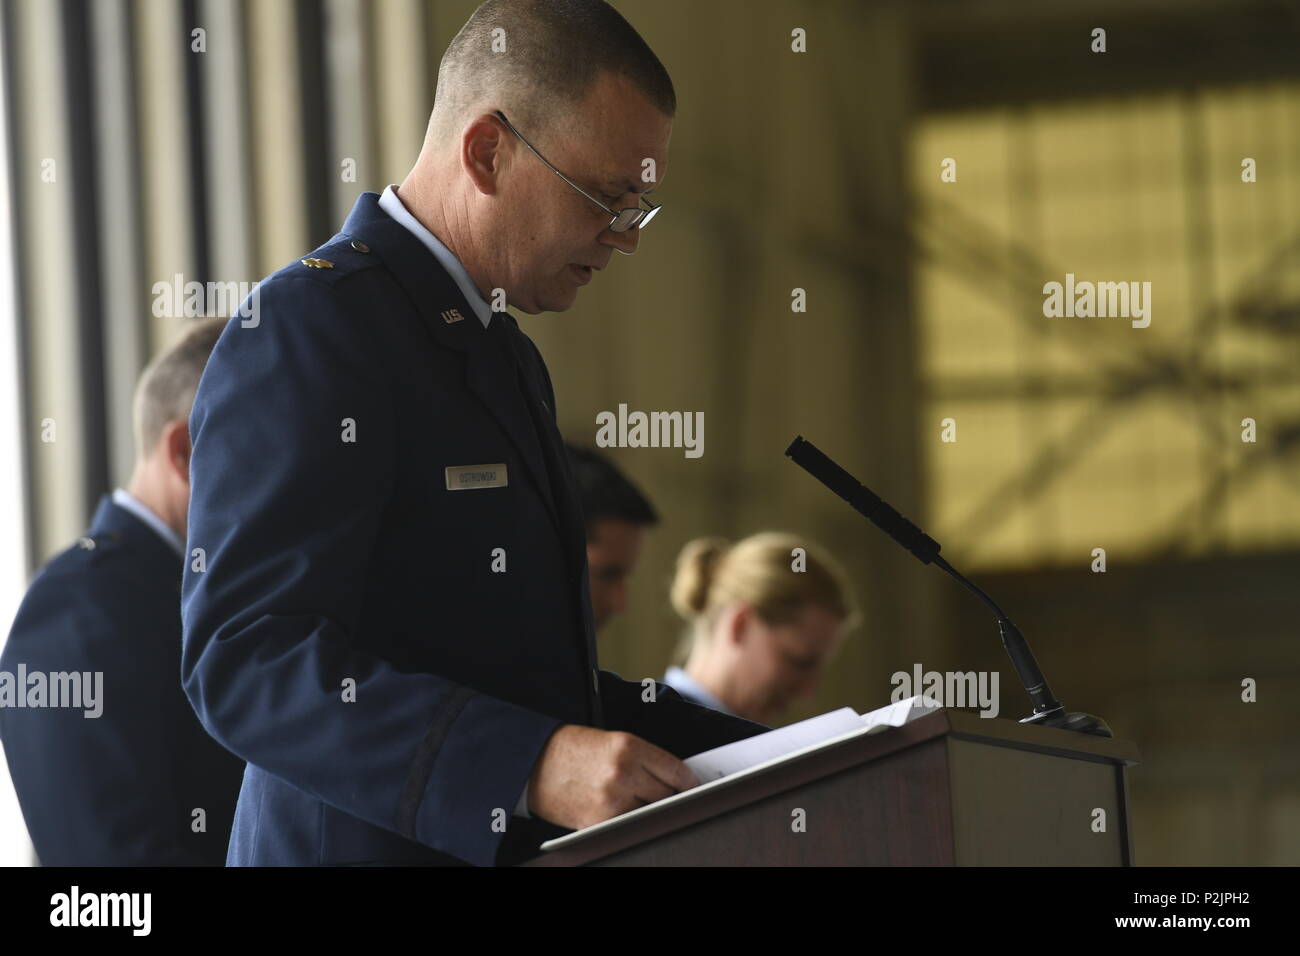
{"points": [[87, 544], [360, 246]]}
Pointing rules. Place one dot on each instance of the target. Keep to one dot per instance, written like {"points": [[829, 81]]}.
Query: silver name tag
{"points": [[463, 477]]}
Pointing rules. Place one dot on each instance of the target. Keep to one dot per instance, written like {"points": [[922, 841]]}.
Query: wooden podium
{"points": [[949, 788]]}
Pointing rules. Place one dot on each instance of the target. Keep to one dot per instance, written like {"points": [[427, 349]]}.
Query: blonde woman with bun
{"points": [[763, 619]]}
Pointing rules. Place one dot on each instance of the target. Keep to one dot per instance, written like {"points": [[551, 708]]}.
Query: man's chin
{"points": [[561, 303], [561, 299]]}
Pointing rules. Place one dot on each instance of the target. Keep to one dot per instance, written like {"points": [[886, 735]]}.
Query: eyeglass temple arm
{"points": [[510, 126]]}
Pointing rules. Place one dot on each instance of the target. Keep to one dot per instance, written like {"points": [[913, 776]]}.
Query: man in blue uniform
{"points": [[386, 609], [132, 779]]}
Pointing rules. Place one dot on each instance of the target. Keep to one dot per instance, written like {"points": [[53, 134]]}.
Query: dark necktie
{"points": [[567, 508], [548, 437]]}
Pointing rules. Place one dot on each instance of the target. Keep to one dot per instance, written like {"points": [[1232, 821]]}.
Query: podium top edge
{"points": [[1004, 732]]}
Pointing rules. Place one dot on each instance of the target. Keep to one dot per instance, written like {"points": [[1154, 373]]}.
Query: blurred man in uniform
{"points": [[140, 783], [615, 514], [388, 613]]}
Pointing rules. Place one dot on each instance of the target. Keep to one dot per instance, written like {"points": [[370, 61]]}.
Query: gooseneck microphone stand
{"points": [[1048, 711]]}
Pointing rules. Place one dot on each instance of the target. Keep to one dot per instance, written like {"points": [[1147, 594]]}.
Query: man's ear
{"points": [[176, 445], [481, 152]]}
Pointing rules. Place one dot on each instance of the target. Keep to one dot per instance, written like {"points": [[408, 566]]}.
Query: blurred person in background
{"points": [[124, 786], [763, 621], [616, 515]]}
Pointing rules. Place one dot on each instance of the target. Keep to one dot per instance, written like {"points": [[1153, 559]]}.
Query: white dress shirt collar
{"points": [[390, 204], [688, 686], [124, 499]]}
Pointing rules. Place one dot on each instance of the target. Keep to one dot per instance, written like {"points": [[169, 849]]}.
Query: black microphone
{"points": [[1048, 711]]}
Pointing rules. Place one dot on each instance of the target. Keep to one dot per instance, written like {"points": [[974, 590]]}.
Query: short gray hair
{"points": [[166, 388], [555, 50]]}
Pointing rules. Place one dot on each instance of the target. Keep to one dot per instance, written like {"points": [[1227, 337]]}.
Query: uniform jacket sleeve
{"points": [[666, 719]]}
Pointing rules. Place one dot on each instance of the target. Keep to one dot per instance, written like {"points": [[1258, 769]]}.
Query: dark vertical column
{"points": [[196, 133], [317, 156], [84, 270]]}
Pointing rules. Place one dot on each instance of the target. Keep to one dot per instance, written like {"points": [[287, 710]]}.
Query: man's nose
{"points": [[625, 242]]}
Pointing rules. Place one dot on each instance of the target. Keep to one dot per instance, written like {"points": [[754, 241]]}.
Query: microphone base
{"points": [[1078, 722]]}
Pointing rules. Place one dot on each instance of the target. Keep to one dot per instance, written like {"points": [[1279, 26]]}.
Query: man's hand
{"points": [[586, 775]]}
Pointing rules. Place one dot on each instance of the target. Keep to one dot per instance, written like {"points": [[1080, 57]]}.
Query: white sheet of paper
{"points": [[743, 754], [900, 712]]}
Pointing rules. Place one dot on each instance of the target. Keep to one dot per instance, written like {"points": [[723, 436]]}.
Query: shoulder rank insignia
{"points": [[317, 263]]}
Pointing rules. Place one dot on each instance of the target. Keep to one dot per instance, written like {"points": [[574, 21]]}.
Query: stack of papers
{"points": [[757, 753], [813, 732]]}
